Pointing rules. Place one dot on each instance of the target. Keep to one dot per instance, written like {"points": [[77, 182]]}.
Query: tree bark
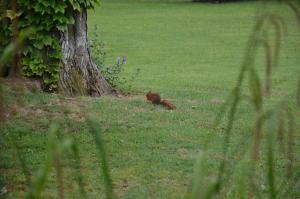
{"points": [[79, 75]]}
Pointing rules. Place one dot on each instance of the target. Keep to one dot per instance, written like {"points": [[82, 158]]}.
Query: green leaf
{"points": [[12, 15]]}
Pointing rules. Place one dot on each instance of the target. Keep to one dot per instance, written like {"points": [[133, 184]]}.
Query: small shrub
{"points": [[116, 77], [113, 74]]}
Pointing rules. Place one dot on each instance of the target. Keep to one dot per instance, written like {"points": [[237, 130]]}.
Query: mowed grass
{"points": [[191, 54]]}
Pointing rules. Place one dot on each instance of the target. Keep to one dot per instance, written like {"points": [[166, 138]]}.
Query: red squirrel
{"points": [[156, 99]]}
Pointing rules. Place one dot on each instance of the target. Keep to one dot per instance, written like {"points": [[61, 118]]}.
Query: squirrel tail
{"points": [[167, 104]]}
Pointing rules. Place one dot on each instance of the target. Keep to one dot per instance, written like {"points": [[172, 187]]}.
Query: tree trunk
{"points": [[79, 75]]}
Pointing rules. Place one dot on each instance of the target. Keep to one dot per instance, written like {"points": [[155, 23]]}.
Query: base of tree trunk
{"points": [[79, 75]]}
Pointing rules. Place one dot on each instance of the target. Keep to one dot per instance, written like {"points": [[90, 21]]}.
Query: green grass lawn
{"points": [[191, 54]]}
